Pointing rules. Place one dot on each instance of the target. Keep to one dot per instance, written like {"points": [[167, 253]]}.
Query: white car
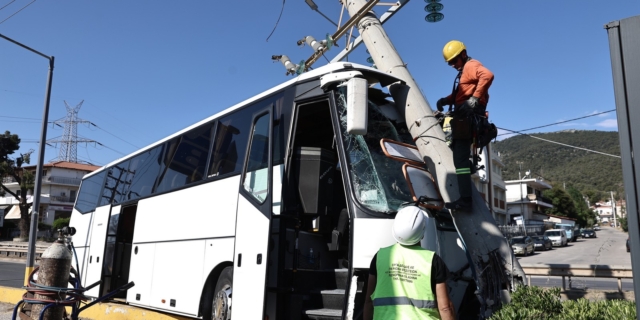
{"points": [[558, 237]]}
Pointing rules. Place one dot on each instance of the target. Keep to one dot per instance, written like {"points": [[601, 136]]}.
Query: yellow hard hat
{"points": [[452, 49]]}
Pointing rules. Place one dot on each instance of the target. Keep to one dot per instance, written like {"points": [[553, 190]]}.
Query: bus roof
{"points": [[384, 78]]}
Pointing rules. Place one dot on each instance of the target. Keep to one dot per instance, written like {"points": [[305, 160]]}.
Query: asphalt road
{"points": [[12, 273], [608, 248]]}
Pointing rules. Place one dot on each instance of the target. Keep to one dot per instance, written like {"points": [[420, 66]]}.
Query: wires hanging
{"points": [[280, 16]]}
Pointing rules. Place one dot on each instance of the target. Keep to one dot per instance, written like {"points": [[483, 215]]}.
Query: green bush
{"points": [[624, 224], [532, 303], [60, 223]]}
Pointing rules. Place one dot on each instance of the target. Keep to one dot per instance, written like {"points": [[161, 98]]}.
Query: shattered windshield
{"points": [[377, 180]]}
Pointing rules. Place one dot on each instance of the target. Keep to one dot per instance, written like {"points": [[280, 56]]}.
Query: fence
{"points": [[587, 271]]}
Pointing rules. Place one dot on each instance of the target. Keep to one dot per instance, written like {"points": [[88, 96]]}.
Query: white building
{"points": [[490, 184], [60, 184], [525, 201]]}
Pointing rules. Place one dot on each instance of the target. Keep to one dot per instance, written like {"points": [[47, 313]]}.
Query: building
{"points": [[490, 183], [554, 219], [60, 184], [525, 203]]}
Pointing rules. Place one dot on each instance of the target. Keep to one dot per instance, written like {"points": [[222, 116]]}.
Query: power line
{"points": [[95, 125], [556, 123], [562, 144], [9, 17]]}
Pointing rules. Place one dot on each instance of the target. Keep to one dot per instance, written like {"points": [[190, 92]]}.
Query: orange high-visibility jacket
{"points": [[474, 81]]}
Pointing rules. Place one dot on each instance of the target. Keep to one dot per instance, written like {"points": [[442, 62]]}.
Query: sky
{"points": [[144, 69]]}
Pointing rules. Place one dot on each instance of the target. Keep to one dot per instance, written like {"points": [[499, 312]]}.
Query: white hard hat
{"points": [[408, 226]]}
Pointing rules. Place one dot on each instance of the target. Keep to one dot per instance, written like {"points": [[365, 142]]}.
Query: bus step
{"points": [[330, 299], [318, 279], [323, 314]]}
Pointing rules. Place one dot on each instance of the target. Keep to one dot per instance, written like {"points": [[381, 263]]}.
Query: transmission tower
{"points": [[69, 140]]}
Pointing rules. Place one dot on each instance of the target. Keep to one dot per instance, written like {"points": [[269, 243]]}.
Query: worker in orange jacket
{"points": [[469, 97]]}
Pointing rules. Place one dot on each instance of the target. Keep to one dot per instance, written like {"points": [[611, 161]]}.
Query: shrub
{"points": [[529, 303], [624, 224], [60, 223]]}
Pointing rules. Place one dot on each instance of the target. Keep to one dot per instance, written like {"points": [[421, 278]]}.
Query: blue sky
{"points": [[148, 68]]}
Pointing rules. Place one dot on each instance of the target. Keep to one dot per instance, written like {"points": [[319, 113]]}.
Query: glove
{"points": [[468, 107], [473, 102], [441, 103]]}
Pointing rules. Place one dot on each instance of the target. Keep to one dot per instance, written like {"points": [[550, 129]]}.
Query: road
{"points": [[608, 248], [12, 273]]}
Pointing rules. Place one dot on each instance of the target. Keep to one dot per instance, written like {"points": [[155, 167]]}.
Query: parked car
{"points": [[628, 245], [522, 245], [587, 233], [596, 227], [542, 243], [558, 237]]}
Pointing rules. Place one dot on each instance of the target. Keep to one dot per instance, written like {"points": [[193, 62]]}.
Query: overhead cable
{"points": [[556, 123], [562, 144]]}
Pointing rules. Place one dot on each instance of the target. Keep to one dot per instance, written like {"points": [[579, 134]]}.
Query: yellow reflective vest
{"points": [[403, 287]]}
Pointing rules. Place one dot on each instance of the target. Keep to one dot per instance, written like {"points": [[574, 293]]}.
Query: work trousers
{"points": [[461, 153]]}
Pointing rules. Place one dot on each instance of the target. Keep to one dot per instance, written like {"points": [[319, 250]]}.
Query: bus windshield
{"points": [[377, 180]]}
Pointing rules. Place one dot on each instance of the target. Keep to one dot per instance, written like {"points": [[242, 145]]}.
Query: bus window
{"points": [[256, 180], [90, 191], [230, 143], [189, 160], [377, 179], [143, 171], [115, 185]]}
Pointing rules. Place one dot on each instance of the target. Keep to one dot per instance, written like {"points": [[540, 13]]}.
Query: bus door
{"points": [[99, 228], [253, 219]]}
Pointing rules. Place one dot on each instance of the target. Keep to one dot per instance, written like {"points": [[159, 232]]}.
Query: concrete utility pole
{"points": [[613, 210], [488, 248]]}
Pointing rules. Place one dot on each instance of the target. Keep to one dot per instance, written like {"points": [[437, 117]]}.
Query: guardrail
{"points": [[578, 270], [18, 250]]}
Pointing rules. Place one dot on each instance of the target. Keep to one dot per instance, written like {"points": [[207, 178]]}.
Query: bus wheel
{"points": [[220, 306]]}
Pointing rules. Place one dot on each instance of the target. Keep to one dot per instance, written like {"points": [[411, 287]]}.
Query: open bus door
{"points": [[253, 221], [100, 224]]}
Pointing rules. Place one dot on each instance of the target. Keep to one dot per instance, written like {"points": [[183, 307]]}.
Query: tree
{"points": [[11, 170], [562, 203], [584, 213]]}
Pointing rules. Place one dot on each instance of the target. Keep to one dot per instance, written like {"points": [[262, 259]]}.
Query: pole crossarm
{"points": [[384, 18], [26, 47], [342, 31]]}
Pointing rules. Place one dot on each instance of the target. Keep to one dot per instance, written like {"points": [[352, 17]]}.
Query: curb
{"points": [[109, 310]]}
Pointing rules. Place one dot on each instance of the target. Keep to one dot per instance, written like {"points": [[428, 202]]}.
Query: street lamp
{"points": [[38, 185]]}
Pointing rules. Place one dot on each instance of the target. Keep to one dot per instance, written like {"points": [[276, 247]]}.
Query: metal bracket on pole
{"points": [[385, 16]]}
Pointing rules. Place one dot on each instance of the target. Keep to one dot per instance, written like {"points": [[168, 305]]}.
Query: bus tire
{"points": [[218, 303]]}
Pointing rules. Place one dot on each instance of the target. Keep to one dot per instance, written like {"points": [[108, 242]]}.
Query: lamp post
{"points": [[38, 184]]}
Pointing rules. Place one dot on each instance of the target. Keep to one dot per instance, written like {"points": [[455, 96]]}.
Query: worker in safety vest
{"points": [[469, 96], [407, 281]]}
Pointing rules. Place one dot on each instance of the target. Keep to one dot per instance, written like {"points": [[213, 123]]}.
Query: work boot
{"points": [[462, 204]]}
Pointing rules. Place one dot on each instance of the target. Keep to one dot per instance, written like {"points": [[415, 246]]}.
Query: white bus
{"points": [[269, 208]]}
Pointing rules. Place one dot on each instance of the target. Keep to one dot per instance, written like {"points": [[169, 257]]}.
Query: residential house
{"points": [[60, 184], [525, 203], [490, 183]]}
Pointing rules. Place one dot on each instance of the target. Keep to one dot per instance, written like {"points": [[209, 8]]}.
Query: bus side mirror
{"points": [[357, 106]]}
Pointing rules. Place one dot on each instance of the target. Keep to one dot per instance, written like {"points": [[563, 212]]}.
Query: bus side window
{"points": [[230, 143], [143, 172], [256, 180], [188, 161]]}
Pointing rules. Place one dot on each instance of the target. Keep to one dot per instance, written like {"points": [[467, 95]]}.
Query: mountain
{"points": [[558, 164]]}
